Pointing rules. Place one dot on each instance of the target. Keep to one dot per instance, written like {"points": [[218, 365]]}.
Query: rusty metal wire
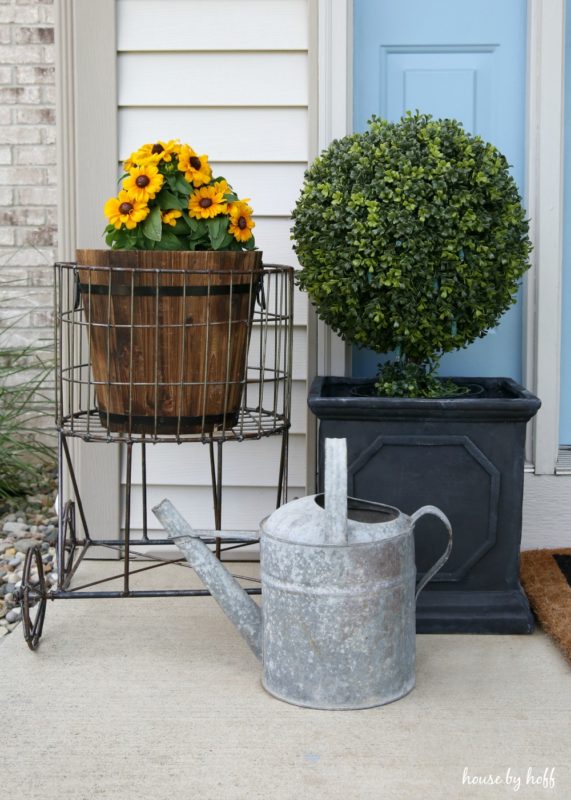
{"points": [[98, 308]]}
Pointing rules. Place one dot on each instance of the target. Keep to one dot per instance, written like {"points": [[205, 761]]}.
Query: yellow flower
{"points": [[170, 217], [223, 186], [241, 222], [196, 168], [143, 182], [124, 210], [207, 202], [153, 153]]}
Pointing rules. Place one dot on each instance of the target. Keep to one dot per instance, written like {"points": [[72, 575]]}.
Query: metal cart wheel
{"points": [[33, 597], [67, 541]]}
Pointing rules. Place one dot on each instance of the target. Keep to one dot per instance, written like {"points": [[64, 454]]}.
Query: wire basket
{"points": [[165, 355]]}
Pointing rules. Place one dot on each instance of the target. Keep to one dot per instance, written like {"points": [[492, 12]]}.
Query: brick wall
{"points": [[27, 166]]}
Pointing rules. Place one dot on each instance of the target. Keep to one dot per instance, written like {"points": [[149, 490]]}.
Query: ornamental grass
{"points": [[27, 452]]}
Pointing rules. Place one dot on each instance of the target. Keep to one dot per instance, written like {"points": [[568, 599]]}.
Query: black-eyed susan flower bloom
{"points": [[170, 217], [223, 186], [143, 182], [196, 168], [125, 210], [241, 222], [155, 153], [207, 202]]}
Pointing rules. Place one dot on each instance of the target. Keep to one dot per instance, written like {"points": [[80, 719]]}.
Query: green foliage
{"points": [[26, 457], [409, 379], [412, 238]]}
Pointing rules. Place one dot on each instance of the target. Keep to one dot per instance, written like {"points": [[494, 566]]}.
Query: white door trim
{"points": [[545, 118], [334, 120], [544, 196]]}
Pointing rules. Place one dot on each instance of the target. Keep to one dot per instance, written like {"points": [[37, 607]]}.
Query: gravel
{"points": [[24, 522]]}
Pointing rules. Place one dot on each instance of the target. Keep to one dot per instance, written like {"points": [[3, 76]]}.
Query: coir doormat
{"points": [[546, 579]]}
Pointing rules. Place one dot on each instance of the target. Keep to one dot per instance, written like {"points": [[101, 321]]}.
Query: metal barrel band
{"points": [[169, 425], [174, 421], [126, 290]]}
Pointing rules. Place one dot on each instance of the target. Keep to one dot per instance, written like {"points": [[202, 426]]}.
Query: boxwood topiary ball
{"points": [[411, 237]]}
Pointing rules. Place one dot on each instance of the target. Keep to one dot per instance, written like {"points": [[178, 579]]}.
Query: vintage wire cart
{"points": [[97, 302]]}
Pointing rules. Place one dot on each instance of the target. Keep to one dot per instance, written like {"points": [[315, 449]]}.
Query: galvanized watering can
{"points": [[336, 628]]}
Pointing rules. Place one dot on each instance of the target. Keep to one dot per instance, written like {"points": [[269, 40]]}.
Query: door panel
{"points": [[449, 59]]}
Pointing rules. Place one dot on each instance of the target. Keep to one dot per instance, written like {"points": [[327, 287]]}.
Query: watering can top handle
{"points": [[434, 512], [336, 491]]}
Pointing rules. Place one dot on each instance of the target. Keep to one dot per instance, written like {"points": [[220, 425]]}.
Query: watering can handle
{"points": [[336, 491], [434, 512]]}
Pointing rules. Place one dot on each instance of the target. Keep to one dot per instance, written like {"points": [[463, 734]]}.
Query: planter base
{"points": [[473, 612]]}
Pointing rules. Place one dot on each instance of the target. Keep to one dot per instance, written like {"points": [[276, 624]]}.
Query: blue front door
{"points": [[449, 59]]}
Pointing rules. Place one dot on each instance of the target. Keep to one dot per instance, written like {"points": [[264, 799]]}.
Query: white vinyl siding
{"points": [[231, 79], [207, 25], [209, 82]]}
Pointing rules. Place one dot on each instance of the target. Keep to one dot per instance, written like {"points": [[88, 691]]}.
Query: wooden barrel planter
{"points": [[168, 336]]}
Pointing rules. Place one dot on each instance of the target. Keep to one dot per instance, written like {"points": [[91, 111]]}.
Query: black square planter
{"points": [[464, 455]]}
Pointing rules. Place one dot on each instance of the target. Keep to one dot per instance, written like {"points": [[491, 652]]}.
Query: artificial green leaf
{"points": [[168, 201], [182, 185], [180, 227], [217, 228], [141, 243], [170, 241], [152, 227], [226, 241], [171, 181]]}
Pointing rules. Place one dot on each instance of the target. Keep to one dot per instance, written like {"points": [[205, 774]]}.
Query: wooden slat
{"points": [[212, 79], [212, 24], [242, 508], [249, 463], [224, 134]]}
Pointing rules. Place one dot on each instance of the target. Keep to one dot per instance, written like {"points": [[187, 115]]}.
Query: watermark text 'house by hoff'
{"points": [[540, 778]]}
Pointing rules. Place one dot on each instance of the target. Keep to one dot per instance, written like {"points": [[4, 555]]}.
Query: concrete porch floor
{"points": [[161, 698]]}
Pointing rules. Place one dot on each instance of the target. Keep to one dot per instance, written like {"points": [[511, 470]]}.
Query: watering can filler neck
{"points": [[333, 518]]}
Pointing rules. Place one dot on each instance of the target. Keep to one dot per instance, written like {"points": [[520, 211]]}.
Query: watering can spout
{"points": [[238, 606]]}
